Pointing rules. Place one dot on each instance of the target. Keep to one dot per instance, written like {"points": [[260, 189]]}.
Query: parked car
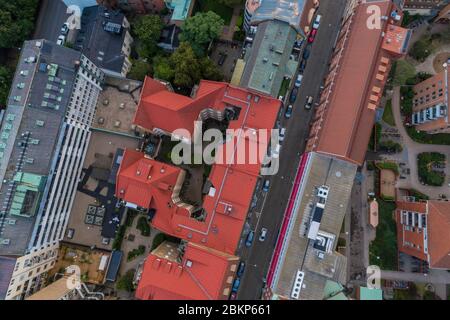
{"points": [[302, 66], [263, 235], [266, 185], [282, 134], [233, 296], [309, 102], [65, 28], [222, 58], [236, 285], [249, 240], [288, 112], [307, 53], [276, 152], [298, 82], [241, 269], [316, 23], [293, 95], [61, 40], [312, 36]]}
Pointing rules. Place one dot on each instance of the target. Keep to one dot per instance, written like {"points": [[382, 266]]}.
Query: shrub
{"points": [[126, 281], [117, 244], [136, 253], [143, 226]]}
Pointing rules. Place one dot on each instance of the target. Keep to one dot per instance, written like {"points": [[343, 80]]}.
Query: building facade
{"points": [[423, 231], [45, 134], [431, 101]]}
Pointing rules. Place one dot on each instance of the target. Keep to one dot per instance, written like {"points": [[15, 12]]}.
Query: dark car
{"points": [[288, 112], [222, 58], [236, 285], [293, 95], [307, 53], [266, 185], [302, 66], [241, 269], [249, 241]]}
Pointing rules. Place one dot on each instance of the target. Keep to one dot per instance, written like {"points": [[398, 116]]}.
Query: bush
{"points": [[117, 244], [136, 253], [143, 226], [426, 174], [388, 166], [375, 137], [391, 146], [126, 281]]}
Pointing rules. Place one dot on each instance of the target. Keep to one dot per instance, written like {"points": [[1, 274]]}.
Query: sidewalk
{"points": [[228, 31], [413, 150]]}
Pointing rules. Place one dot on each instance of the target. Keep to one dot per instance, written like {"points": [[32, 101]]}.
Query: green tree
{"points": [[163, 69], [5, 83], [147, 30], [231, 3], [201, 29], [16, 21], [422, 48], [186, 66], [210, 71], [403, 71], [139, 70], [126, 281]]}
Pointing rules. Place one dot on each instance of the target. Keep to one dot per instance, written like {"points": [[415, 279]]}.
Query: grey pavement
{"points": [[435, 276]]}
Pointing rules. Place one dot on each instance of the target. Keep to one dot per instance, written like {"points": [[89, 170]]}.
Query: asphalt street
{"points": [[52, 15], [271, 206]]}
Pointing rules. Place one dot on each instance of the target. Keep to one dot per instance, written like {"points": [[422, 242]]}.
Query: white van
{"points": [[317, 22]]}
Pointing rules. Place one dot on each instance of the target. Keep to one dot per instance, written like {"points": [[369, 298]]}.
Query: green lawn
{"points": [[423, 137], [388, 115], [284, 87], [225, 12], [384, 246]]}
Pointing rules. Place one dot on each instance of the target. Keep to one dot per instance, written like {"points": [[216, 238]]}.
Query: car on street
{"points": [[249, 240], [293, 95], [282, 134], [302, 66], [233, 296], [236, 285], [276, 152], [298, 82], [263, 234], [316, 23], [309, 102], [61, 40], [65, 29], [312, 36], [266, 185], [241, 269], [288, 112], [307, 52]]}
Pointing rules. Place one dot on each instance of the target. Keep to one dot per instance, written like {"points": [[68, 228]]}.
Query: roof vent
{"points": [[189, 263]]}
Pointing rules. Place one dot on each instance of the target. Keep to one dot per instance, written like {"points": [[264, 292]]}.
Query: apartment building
{"points": [[423, 231], [209, 231], [44, 138], [105, 39], [345, 116], [269, 56], [431, 101]]}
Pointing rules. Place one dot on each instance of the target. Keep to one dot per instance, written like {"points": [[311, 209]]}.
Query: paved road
{"points": [[271, 207], [436, 276], [52, 15], [414, 149]]}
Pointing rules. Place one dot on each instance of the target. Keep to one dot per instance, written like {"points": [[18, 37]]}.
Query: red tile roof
{"points": [[358, 72], [202, 274], [438, 226], [145, 182], [227, 204]]}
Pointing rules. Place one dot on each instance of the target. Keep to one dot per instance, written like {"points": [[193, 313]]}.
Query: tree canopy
{"points": [[16, 21], [5, 83], [184, 68], [201, 29], [147, 30]]}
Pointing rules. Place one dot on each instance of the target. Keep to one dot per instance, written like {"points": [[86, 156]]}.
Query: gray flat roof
{"points": [[32, 119], [289, 11], [267, 61], [299, 253]]}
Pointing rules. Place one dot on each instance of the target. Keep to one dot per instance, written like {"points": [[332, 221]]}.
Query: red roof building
{"points": [[423, 231], [206, 268], [358, 72], [200, 274]]}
